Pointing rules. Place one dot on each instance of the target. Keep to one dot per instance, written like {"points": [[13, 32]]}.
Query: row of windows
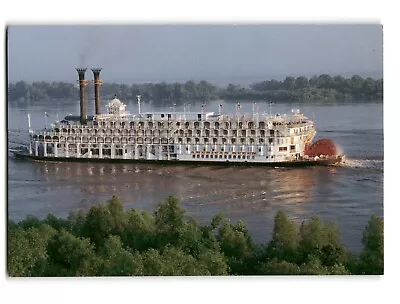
{"points": [[196, 130], [300, 130], [186, 124], [82, 146], [196, 140], [227, 156], [180, 140], [223, 156], [181, 132]]}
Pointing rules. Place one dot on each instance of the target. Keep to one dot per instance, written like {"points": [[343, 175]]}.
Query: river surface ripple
{"points": [[347, 194]]}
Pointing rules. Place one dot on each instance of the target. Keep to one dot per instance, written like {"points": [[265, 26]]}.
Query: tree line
{"points": [[108, 241], [323, 88]]}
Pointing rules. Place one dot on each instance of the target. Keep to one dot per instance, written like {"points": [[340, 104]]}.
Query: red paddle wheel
{"points": [[324, 146]]}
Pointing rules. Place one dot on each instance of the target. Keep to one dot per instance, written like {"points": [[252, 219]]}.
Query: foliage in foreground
{"points": [[108, 241]]}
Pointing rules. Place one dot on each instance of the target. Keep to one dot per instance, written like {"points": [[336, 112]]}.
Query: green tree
{"points": [[26, 250], [162, 91], [369, 87], [214, 262], [276, 267], [38, 91], [71, 256], [372, 240], [172, 261], [356, 85], [233, 89], [77, 222], [116, 261], [313, 81], [315, 267], [311, 233], [153, 264], [190, 90], [332, 252], [379, 87], [178, 93], [169, 220], [21, 90], [341, 84], [98, 225], [236, 244], [206, 91], [30, 222], [118, 215], [285, 238], [325, 81], [321, 241], [233, 242], [140, 231], [191, 238], [289, 83], [176, 262], [339, 269], [57, 223], [169, 215], [103, 220], [301, 82]]}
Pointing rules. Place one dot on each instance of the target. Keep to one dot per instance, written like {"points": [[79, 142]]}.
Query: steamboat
{"points": [[178, 137]]}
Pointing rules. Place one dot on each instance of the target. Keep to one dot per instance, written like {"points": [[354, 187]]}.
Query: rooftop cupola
{"points": [[116, 107]]}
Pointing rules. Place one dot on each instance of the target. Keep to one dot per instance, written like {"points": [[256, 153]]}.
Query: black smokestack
{"points": [[82, 84], [97, 84]]}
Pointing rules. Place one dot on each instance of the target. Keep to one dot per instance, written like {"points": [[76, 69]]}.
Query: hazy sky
{"points": [[218, 53]]}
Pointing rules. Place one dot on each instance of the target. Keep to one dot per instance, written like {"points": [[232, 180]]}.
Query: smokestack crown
{"points": [[81, 73], [96, 72]]}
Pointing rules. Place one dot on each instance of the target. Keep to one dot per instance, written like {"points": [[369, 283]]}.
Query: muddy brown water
{"points": [[348, 194]]}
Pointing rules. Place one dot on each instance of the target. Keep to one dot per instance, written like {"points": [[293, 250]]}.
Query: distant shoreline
{"points": [[229, 101], [317, 89]]}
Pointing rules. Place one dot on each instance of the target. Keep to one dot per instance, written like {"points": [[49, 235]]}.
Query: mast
{"points": [[138, 101], [29, 131], [270, 105], [238, 112], [257, 115]]}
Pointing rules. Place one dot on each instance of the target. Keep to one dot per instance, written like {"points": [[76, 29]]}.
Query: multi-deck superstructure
{"points": [[176, 136]]}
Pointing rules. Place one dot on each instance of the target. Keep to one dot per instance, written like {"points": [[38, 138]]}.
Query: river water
{"points": [[347, 194]]}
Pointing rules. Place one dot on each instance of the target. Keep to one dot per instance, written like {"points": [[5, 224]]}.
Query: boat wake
{"points": [[362, 163]]}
